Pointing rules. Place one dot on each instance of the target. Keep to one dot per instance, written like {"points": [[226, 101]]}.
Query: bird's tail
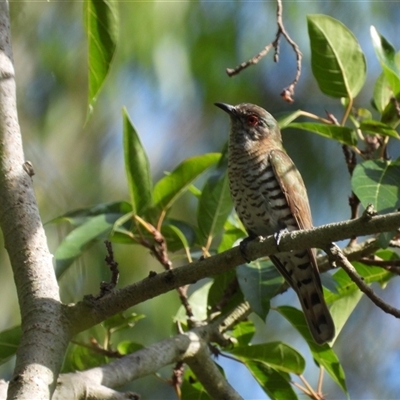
{"points": [[301, 273]]}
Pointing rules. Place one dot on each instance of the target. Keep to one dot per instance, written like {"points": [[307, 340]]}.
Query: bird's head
{"points": [[251, 124]]}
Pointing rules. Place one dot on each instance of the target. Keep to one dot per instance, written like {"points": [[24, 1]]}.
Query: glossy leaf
{"points": [[101, 24], [168, 189], [9, 342], [215, 204], [337, 61], [80, 238], [277, 355], [323, 355], [378, 128], [377, 182], [137, 168], [387, 57], [342, 134], [274, 383], [259, 282]]}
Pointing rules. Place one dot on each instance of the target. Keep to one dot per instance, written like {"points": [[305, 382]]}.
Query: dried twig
{"points": [[288, 92]]}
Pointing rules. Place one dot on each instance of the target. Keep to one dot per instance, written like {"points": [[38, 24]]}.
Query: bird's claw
{"points": [[278, 236]]}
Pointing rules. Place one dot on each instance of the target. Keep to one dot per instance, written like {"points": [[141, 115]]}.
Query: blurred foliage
{"points": [[167, 70]]}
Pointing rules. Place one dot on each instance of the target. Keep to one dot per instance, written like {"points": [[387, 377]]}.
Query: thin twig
{"points": [[288, 92], [341, 259]]}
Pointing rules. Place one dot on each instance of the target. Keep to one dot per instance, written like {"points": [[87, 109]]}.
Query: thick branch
{"points": [[190, 347], [44, 340], [88, 313]]}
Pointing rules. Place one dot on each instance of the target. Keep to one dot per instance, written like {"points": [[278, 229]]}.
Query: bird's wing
{"points": [[292, 186]]}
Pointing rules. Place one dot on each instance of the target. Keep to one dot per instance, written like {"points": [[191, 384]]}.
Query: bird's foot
{"points": [[278, 236]]}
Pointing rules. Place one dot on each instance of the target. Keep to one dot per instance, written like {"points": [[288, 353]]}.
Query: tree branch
{"points": [[190, 347], [341, 259], [44, 339], [89, 312]]}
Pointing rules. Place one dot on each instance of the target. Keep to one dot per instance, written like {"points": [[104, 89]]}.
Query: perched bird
{"points": [[269, 196]]}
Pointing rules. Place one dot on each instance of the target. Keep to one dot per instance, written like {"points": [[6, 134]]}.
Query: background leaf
{"points": [[259, 282], [274, 383], [169, 188], [137, 168], [101, 24], [378, 183], [9, 342], [323, 355], [337, 61], [277, 355], [376, 127], [387, 57], [342, 134], [215, 204], [76, 242]]}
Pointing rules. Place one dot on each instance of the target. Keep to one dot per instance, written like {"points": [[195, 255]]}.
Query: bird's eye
{"points": [[252, 120]]}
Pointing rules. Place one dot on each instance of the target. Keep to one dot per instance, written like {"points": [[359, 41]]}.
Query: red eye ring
{"points": [[252, 120]]}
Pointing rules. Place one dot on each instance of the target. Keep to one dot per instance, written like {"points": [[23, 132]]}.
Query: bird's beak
{"points": [[227, 108]]}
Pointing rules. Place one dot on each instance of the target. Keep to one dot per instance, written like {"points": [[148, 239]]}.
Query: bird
{"points": [[270, 197]]}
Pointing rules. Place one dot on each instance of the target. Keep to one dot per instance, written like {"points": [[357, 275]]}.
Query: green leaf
{"points": [[342, 308], [345, 286], [101, 24], [137, 168], [122, 321], [378, 183], [78, 217], [323, 355], [215, 204], [342, 134], [382, 93], [168, 189], [285, 120], [192, 389], [378, 128], [337, 61], [243, 332], [224, 294], [277, 355], [259, 282], [387, 57], [178, 234], [80, 358], [348, 295], [127, 347], [198, 302], [80, 238], [9, 342], [274, 383], [229, 238]]}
